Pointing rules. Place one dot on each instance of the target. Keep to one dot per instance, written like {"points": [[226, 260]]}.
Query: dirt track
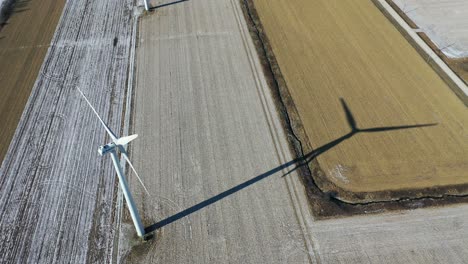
{"points": [[24, 41], [328, 50]]}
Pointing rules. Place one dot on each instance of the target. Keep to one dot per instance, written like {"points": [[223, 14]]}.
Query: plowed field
{"points": [[24, 41], [332, 49]]}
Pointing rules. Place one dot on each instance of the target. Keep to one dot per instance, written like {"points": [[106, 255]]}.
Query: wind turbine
{"points": [[119, 143]]}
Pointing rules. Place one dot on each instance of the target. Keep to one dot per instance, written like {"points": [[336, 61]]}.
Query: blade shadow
{"points": [[13, 7], [349, 115], [299, 162]]}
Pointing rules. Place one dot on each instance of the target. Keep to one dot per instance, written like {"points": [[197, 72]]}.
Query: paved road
{"points": [[443, 21], [209, 145], [56, 193], [453, 70], [208, 134]]}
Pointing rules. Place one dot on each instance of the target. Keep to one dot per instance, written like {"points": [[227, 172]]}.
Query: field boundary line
{"points": [[456, 84]]}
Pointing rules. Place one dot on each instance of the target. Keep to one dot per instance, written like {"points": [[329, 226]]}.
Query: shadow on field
{"points": [[167, 4], [20, 6], [304, 160], [12, 7]]}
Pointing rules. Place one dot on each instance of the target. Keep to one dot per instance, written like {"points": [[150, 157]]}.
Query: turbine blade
{"points": [[381, 129], [124, 154], [125, 140], [349, 115], [109, 131]]}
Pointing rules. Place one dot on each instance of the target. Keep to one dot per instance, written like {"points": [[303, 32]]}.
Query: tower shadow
{"points": [[167, 4], [301, 161]]}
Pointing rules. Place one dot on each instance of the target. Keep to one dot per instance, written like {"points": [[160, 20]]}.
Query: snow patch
{"points": [[339, 173]]}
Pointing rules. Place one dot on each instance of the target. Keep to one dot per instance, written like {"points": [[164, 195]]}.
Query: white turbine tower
{"points": [[145, 3], [119, 143]]}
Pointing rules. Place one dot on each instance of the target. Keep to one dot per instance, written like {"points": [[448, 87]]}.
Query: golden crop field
{"points": [[24, 41], [332, 49]]}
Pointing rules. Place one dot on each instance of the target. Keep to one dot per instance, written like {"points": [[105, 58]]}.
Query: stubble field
{"points": [[327, 50]]}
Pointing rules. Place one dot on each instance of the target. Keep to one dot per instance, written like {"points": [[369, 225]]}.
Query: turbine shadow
{"points": [[11, 8], [301, 161], [167, 4]]}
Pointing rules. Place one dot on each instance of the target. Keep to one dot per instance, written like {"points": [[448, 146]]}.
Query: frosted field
{"points": [[444, 22]]}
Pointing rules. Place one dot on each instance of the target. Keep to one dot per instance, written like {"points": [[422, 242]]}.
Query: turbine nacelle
{"points": [[119, 143]]}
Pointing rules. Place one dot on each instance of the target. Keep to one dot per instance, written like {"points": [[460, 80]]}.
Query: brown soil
{"points": [[24, 40], [390, 166]]}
